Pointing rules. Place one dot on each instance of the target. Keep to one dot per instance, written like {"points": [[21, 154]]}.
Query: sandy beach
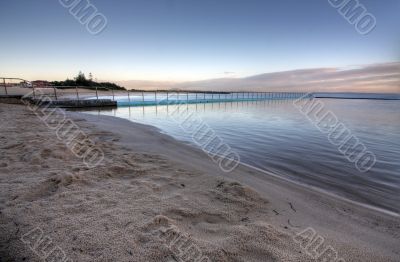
{"points": [[153, 198]]}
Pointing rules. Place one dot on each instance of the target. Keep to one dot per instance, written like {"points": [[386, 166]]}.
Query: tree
{"points": [[81, 79]]}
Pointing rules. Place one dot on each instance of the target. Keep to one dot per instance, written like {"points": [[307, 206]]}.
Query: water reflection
{"points": [[274, 136]]}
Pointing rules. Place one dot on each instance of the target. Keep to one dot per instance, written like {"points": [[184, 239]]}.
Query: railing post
{"points": [[55, 93], [33, 91], [167, 98], [77, 94], [112, 90], [129, 97], [5, 86], [155, 97], [142, 97], [97, 94]]}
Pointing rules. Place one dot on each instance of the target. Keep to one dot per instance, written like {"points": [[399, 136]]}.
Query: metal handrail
{"points": [[10, 78], [80, 95]]}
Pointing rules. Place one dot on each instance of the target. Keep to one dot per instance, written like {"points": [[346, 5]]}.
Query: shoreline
{"points": [[328, 194], [275, 181], [338, 197], [210, 214]]}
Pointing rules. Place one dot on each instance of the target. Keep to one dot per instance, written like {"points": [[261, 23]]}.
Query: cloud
{"points": [[380, 78]]}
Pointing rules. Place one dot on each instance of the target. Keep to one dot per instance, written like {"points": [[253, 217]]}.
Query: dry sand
{"points": [[150, 185]]}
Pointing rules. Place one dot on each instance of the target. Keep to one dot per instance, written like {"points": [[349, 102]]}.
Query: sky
{"points": [[187, 40], [376, 78]]}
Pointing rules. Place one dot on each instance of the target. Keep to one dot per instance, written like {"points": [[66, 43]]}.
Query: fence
{"points": [[137, 97]]}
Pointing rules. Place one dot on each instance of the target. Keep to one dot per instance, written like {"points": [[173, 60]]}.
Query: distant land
{"points": [[83, 82], [386, 96]]}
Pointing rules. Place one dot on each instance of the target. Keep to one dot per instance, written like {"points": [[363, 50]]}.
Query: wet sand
{"points": [[150, 184]]}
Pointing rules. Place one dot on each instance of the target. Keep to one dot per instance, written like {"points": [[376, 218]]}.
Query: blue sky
{"points": [[185, 40]]}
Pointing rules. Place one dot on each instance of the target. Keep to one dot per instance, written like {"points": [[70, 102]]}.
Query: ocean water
{"points": [[273, 135]]}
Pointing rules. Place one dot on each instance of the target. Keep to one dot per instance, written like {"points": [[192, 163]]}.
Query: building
{"points": [[41, 83]]}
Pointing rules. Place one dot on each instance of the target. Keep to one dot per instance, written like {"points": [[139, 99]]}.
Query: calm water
{"points": [[273, 135]]}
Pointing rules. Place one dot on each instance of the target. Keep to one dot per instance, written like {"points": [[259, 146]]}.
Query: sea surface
{"points": [[273, 135]]}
